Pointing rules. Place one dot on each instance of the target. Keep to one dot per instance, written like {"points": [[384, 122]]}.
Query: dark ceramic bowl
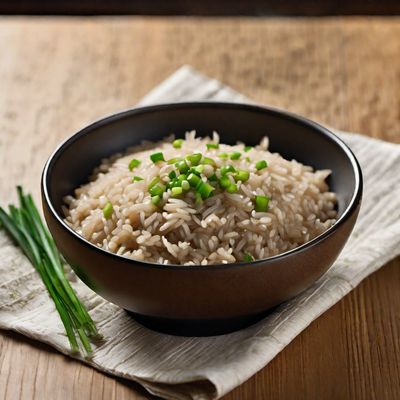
{"points": [[201, 300]]}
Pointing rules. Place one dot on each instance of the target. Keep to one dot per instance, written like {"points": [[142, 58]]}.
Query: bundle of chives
{"points": [[26, 227]]}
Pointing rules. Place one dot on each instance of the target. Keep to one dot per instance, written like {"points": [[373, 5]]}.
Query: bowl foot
{"points": [[189, 327]]}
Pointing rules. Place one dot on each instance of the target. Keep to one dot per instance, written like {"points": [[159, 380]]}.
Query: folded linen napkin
{"points": [[207, 368]]}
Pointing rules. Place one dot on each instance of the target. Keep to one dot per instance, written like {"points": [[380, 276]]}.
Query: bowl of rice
{"points": [[198, 218]]}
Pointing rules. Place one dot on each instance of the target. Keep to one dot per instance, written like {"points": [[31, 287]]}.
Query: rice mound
{"points": [[223, 229]]}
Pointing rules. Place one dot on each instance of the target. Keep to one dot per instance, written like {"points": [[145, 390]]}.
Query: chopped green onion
{"points": [[247, 148], [176, 191], [157, 190], [174, 160], [241, 175], [204, 189], [156, 157], [193, 180], [185, 185], [172, 175], [226, 169], [248, 159], [182, 167], [198, 169], [108, 210], [198, 199], [181, 178], [177, 143], [213, 178], [137, 178], [133, 164], [194, 158], [174, 183], [232, 188], [153, 182], [223, 155], [208, 161], [248, 257], [261, 164], [155, 199], [235, 155], [212, 146], [261, 203], [225, 182]]}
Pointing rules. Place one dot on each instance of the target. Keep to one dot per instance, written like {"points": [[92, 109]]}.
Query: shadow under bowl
{"points": [[201, 300]]}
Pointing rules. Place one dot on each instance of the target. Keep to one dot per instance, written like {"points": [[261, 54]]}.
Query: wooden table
{"points": [[58, 74]]}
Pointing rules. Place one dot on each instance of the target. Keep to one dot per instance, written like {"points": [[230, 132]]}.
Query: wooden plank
{"points": [[202, 7], [56, 75]]}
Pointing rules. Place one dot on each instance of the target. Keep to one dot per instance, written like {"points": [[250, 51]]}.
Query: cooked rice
{"points": [[222, 229]]}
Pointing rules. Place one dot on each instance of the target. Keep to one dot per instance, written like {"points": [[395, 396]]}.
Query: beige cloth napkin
{"points": [[207, 368]]}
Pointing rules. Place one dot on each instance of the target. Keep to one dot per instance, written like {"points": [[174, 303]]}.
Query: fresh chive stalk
{"points": [[25, 226]]}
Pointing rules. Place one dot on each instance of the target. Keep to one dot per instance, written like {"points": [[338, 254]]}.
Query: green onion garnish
{"points": [[182, 167], [176, 191], [174, 160], [208, 160], [25, 226], [248, 257], [198, 199], [194, 158], [157, 190], [172, 175], [232, 188], [247, 148], [235, 155], [213, 178], [156, 157], [241, 175], [137, 178], [153, 182], [133, 164], [198, 169], [223, 155], [248, 159], [224, 182], [261, 164], [181, 178], [108, 210], [212, 146], [193, 180], [261, 203], [174, 183], [226, 169], [205, 190], [155, 199], [185, 185], [177, 143]]}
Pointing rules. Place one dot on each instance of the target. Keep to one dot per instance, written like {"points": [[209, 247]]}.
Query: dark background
{"points": [[201, 7]]}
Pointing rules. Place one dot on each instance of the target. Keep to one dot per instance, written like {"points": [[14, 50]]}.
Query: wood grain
{"points": [[56, 75]]}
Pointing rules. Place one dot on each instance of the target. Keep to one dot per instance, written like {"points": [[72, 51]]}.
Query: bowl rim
{"points": [[352, 206]]}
